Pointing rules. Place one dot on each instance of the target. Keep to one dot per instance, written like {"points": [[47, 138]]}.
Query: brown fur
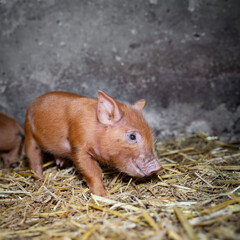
{"points": [[88, 130], [11, 137]]}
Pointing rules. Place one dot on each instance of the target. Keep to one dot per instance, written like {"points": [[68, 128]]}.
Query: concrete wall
{"points": [[183, 56]]}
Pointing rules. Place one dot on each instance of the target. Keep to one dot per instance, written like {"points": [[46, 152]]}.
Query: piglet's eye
{"points": [[132, 137]]}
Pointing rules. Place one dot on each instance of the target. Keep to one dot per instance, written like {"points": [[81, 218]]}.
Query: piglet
{"points": [[90, 131], [11, 138]]}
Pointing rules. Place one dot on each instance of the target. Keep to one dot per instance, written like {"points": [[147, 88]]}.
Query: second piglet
{"points": [[11, 140], [88, 131]]}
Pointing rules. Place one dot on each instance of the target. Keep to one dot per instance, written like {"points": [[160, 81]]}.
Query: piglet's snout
{"points": [[153, 166]]}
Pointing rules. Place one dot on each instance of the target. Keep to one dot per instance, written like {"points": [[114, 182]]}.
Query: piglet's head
{"points": [[126, 140]]}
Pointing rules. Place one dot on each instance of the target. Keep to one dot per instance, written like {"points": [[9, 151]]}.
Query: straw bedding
{"points": [[195, 196]]}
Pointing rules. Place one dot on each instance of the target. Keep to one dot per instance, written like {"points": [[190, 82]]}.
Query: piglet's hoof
{"points": [[14, 165], [100, 192]]}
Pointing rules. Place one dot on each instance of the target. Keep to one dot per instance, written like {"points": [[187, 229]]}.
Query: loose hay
{"points": [[195, 196]]}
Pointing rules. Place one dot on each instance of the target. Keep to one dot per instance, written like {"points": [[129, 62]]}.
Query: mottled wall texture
{"points": [[183, 56]]}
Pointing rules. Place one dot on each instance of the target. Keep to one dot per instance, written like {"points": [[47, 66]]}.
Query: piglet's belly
{"points": [[57, 146]]}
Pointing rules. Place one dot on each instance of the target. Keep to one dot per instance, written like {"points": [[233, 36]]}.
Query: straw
{"points": [[195, 196]]}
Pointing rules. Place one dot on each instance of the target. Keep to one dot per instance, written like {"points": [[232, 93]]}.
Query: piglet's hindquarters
{"points": [[11, 139], [90, 130]]}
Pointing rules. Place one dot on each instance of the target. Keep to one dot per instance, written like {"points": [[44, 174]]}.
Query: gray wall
{"points": [[183, 56]]}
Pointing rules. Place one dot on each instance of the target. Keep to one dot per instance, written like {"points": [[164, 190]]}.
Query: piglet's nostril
{"points": [[155, 170], [154, 167]]}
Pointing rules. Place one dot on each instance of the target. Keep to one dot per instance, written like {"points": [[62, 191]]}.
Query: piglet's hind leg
{"points": [[4, 157], [13, 154], [33, 152]]}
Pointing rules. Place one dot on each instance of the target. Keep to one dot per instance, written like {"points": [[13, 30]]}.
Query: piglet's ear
{"points": [[108, 111], [140, 104]]}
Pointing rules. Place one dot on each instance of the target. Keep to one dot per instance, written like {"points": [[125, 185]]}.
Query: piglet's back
{"points": [[51, 115]]}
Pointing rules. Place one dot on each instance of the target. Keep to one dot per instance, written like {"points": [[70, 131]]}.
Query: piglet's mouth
{"points": [[138, 169]]}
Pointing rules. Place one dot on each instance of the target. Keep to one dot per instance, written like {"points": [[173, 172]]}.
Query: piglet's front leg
{"points": [[90, 169]]}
